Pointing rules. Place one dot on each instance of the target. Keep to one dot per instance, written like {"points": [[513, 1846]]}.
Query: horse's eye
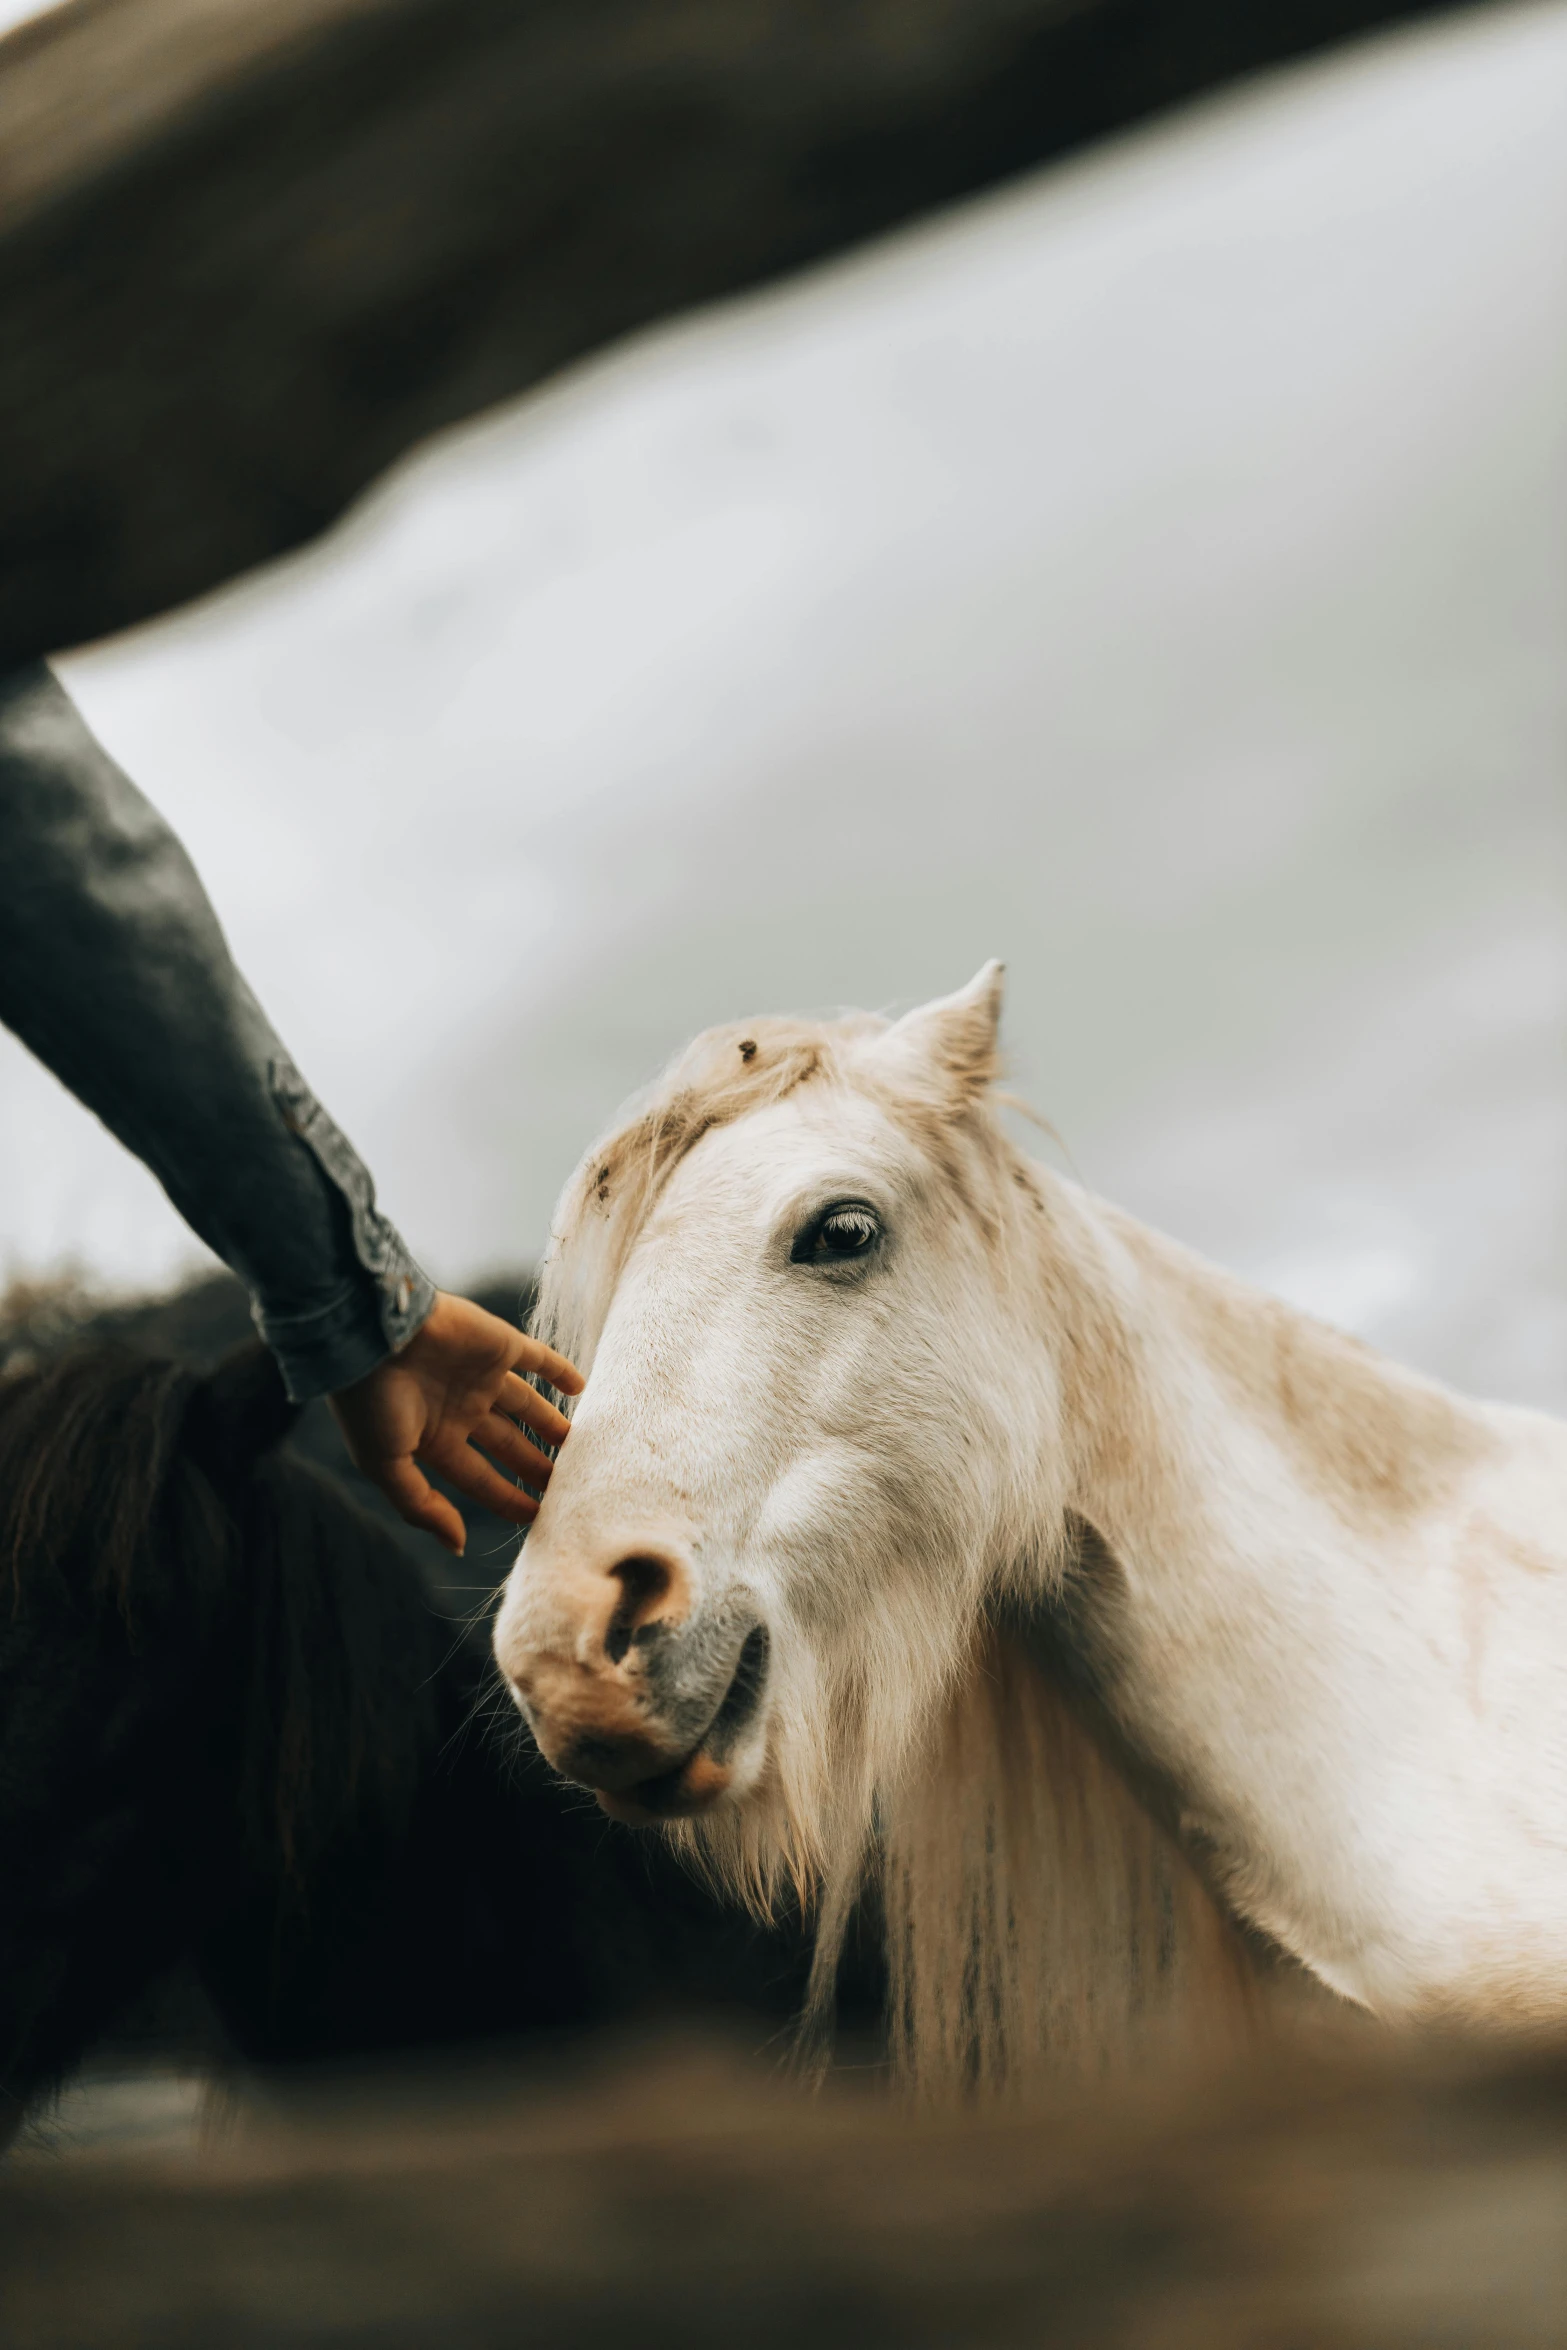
{"points": [[849, 1230]]}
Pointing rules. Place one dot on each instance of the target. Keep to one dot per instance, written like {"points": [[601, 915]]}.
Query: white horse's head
{"points": [[811, 1438], [854, 1365]]}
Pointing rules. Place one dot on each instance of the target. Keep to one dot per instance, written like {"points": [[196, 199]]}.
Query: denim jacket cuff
{"points": [[368, 1319], [320, 1352]]}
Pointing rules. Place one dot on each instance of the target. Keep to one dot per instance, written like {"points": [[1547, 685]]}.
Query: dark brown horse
{"points": [[239, 1740]]}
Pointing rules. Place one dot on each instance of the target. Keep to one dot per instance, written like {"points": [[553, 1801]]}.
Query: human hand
{"points": [[450, 1397]]}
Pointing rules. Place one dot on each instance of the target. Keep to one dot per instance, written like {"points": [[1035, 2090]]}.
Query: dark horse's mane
{"points": [[239, 1736], [138, 1483], [219, 1685]]}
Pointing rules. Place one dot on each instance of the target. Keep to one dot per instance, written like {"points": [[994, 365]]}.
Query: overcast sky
{"points": [[1156, 575]]}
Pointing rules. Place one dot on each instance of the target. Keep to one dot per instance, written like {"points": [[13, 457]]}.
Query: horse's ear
{"points": [[238, 1412], [954, 1041]]}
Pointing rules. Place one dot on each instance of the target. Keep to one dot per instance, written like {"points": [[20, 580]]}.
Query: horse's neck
{"points": [[1267, 1494], [1223, 1414]]}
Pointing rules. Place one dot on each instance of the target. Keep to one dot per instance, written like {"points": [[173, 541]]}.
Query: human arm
{"points": [[115, 972]]}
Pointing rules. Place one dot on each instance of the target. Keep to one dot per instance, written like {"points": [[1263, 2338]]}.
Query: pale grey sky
{"points": [[1155, 575], [17, 12]]}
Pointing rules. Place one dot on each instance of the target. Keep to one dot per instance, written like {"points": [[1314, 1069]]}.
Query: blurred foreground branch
{"points": [[1355, 2204], [251, 250]]}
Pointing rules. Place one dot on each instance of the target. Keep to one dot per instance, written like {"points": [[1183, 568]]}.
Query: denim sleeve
{"points": [[114, 971]]}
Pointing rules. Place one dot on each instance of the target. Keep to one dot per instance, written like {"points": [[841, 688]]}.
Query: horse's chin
{"points": [[691, 1787]]}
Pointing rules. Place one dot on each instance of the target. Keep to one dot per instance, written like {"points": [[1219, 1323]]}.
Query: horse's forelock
{"points": [[723, 1075], [726, 1074]]}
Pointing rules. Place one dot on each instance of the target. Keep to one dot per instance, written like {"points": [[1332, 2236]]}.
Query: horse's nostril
{"points": [[645, 1587]]}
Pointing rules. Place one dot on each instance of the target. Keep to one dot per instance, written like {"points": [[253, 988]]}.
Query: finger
{"points": [[472, 1474], [535, 1411], [506, 1445], [533, 1355], [415, 1499]]}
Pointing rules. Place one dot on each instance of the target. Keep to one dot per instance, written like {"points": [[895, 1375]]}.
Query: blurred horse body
{"points": [[1149, 1627]]}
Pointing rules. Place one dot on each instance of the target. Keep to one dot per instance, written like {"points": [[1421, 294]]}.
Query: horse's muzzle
{"points": [[629, 1688]]}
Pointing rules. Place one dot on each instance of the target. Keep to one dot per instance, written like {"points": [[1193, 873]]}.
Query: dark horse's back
{"points": [[240, 1739]]}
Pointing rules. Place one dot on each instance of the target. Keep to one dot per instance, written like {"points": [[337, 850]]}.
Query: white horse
{"points": [[920, 1503]]}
